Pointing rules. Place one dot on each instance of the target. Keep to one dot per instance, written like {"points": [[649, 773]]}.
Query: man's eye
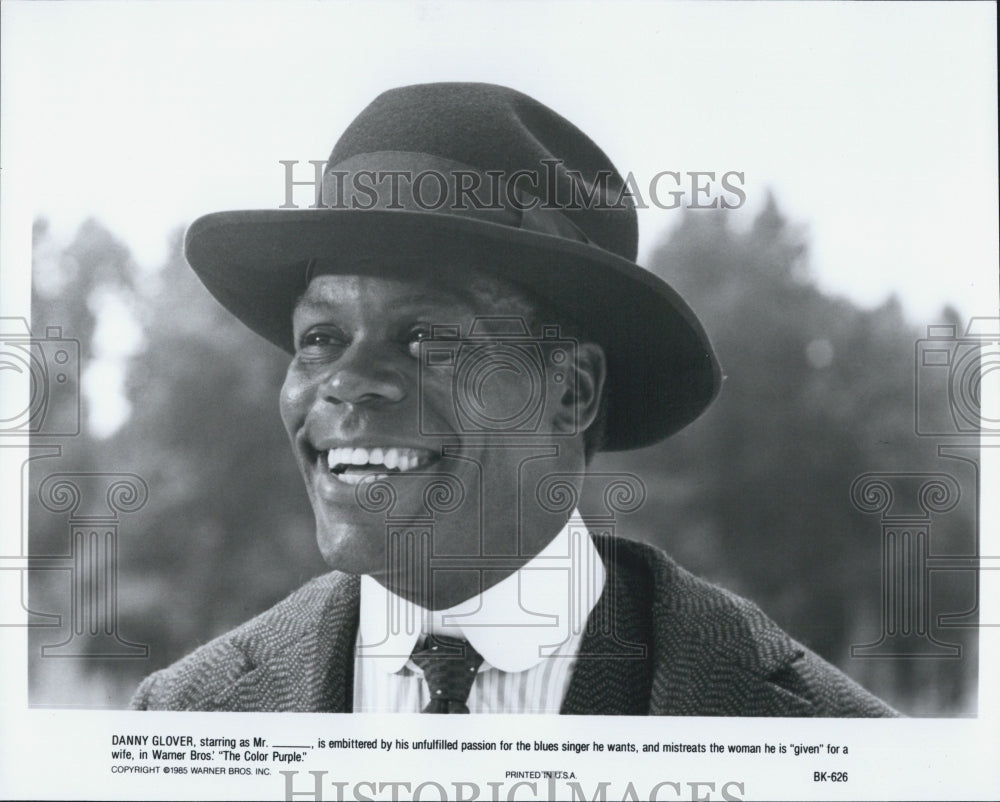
{"points": [[416, 336], [320, 339]]}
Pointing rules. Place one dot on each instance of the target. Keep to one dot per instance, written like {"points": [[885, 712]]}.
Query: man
{"points": [[468, 326]]}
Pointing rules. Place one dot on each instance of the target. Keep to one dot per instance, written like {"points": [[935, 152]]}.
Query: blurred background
{"points": [[755, 495], [867, 137]]}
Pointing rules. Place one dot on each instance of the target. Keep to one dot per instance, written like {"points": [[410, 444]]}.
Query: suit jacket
{"points": [[659, 642]]}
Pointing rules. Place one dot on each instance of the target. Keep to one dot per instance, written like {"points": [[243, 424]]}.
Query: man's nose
{"points": [[365, 374]]}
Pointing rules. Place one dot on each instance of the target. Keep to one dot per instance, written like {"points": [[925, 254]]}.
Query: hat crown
{"points": [[661, 372], [495, 128]]}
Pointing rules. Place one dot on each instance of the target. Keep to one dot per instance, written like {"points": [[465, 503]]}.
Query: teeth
{"points": [[358, 478], [338, 460], [334, 457]]}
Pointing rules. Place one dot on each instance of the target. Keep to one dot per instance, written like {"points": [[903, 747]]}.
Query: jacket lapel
{"points": [[663, 642], [301, 657], [612, 673], [716, 654]]}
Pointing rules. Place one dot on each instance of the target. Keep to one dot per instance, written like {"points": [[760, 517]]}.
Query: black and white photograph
{"points": [[627, 374]]}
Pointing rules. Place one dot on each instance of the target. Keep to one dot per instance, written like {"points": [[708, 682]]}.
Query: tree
{"points": [[755, 494]]}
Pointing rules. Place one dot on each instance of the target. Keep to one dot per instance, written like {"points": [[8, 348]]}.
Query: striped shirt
{"points": [[528, 628]]}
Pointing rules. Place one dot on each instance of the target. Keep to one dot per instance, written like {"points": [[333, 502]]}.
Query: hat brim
{"points": [[662, 372]]}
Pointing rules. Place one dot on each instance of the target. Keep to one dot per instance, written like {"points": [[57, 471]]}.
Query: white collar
{"points": [[514, 625]]}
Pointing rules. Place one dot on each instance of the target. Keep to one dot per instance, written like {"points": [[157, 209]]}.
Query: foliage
{"points": [[754, 495]]}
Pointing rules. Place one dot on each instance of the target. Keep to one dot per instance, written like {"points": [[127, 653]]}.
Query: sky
{"points": [[874, 124]]}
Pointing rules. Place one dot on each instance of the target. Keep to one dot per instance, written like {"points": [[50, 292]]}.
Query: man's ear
{"points": [[581, 397]]}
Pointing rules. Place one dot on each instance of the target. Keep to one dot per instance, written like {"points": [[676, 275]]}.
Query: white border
{"points": [[64, 754]]}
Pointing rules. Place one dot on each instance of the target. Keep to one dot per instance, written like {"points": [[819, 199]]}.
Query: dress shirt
{"points": [[528, 628]]}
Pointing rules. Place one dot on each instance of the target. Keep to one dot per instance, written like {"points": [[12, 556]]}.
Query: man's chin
{"points": [[353, 548], [398, 564]]}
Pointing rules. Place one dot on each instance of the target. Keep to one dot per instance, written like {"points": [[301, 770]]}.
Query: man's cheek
{"points": [[291, 402], [437, 404]]}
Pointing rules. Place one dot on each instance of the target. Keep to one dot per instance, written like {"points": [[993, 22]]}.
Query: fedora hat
{"points": [[485, 178]]}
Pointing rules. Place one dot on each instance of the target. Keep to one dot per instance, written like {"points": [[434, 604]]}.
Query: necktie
{"points": [[449, 667]]}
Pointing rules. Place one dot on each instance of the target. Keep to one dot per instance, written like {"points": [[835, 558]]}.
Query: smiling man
{"points": [[361, 407], [468, 327]]}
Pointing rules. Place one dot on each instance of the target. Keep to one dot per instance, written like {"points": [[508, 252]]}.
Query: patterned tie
{"points": [[449, 667]]}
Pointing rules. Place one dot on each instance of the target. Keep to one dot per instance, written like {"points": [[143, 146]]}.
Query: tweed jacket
{"points": [[659, 642]]}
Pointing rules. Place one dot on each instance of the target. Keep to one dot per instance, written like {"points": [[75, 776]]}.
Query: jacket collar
{"points": [[300, 654], [663, 642], [660, 641]]}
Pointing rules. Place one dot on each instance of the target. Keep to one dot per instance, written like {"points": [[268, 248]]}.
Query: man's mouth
{"points": [[355, 465]]}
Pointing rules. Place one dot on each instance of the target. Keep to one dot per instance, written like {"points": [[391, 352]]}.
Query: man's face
{"points": [[381, 437]]}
